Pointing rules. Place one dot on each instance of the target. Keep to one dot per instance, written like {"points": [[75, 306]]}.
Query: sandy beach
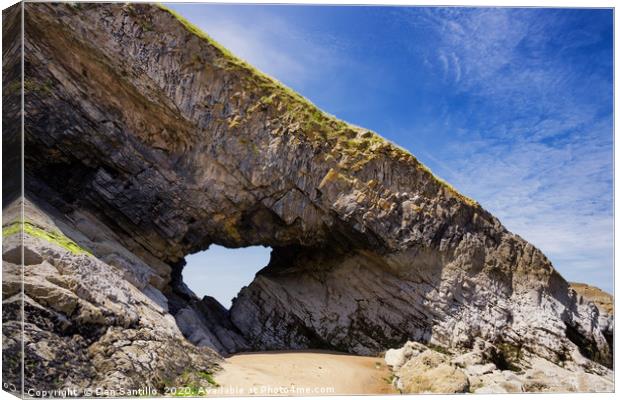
{"points": [[298, 373]]}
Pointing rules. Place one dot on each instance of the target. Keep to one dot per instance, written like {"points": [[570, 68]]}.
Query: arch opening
{"points": [[221, 272]]}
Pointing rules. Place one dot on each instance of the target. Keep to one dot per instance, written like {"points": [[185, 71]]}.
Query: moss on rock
{"points": [[55, 237]]}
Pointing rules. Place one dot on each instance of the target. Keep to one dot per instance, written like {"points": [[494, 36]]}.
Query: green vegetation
{"points": [[208, 377], [13, 87], [193, 384], [199, 33], [295, 104], [146, 26], [390, 379], [31, 85], [190, 391], [359, 146], [57, 238], [438, 349], [451, 188], [231, 230]]}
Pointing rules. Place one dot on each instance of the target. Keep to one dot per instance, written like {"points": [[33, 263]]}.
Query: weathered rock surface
{"points": [[86, 326], [148, 142], [604, 303], [486, 369], [603, 300], [206, 323], [430, 372]]}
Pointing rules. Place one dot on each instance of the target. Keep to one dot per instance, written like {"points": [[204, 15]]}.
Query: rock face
{"points": [[206, 323], [603, 300], [85, 325], [148, 141], [605, 304]]}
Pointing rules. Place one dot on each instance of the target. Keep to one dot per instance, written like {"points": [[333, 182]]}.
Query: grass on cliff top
{"points": [[33, 230], [314, 119], [263, 78]]}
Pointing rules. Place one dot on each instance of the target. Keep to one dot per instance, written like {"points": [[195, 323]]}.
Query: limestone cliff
{"points": [[146, 141]]}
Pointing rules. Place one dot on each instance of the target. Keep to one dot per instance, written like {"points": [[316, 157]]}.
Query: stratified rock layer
{"points": [[85, 326], [153, 142]]}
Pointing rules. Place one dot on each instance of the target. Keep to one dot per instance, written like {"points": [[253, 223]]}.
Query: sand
{"points": [[299, 373]]}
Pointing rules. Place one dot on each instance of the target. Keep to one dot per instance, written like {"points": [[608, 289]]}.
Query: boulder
{"points": [[396, 358], [431, 372]]}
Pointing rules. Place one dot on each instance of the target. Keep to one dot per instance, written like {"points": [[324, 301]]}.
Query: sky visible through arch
{"points": [[512, 106], [221, 273]]}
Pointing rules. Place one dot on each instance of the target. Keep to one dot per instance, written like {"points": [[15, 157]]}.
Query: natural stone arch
{"points": [[173, 144]]}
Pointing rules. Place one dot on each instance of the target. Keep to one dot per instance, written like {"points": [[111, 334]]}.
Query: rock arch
{"points": [[144, 130]]}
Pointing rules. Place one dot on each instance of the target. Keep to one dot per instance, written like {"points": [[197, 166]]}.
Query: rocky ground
{"points": [[87, 324], [419, 368], [146, 141]]}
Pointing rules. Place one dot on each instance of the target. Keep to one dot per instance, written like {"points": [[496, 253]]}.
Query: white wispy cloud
{"points": [[543, 162]]}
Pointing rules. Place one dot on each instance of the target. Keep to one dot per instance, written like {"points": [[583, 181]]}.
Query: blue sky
{"points": [[511, 106], [222, 272]]}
